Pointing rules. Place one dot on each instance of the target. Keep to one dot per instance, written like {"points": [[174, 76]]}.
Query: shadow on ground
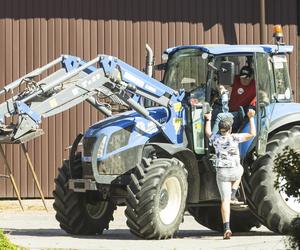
{"points": [[123, 234]]}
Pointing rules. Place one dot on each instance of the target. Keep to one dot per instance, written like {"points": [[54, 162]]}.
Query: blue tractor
{"points": [[154, 158]]}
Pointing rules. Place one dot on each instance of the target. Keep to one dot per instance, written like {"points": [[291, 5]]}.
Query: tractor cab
{"points": [[201, 70]]}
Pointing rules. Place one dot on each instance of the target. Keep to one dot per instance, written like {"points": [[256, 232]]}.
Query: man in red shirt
{"points": [[243, 94], [243, 90]]}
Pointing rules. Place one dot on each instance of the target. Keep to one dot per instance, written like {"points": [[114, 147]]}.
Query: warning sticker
{"points": [[53, 103], [177, 107], [177, 122]]}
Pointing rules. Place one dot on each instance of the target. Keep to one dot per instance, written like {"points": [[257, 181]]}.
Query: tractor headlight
{"points": [[101, 147]]}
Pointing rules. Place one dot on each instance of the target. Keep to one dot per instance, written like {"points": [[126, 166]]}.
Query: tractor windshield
{"points": [[186, 69]]}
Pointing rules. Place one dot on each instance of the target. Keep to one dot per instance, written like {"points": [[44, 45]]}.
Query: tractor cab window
{"points": [[282, 80], [264, 79], [186, 69]]}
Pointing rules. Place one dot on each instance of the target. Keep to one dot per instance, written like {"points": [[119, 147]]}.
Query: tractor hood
{"points": [[114, 146], [284, 113], [129, 118]]}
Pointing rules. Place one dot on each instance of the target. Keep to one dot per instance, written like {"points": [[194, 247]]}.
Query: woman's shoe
{"points": [[227, 234]]}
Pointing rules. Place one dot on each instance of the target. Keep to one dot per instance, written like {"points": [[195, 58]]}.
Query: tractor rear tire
{"points": [[156, 198], [273, 207], [75, 214], [210, 217]]}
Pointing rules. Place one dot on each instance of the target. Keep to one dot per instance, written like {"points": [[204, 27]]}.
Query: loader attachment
{"points": [[68, 86], [77, 81]]}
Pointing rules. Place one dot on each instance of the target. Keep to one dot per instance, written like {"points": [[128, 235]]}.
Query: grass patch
{"points": [[5, 243]]}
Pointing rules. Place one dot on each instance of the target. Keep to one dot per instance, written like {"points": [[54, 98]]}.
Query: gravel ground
{"points": [[37, 229]]}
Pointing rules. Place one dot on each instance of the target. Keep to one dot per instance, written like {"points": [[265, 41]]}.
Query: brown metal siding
{"points": [[34, 32]]}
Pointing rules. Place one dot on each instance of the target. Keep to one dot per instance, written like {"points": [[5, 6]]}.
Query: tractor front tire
{"points": [[274, 208], [74, 212], [156, 198]]}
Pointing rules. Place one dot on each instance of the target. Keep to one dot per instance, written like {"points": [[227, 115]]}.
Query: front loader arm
{"points": [[134, 83], [76, 82]]}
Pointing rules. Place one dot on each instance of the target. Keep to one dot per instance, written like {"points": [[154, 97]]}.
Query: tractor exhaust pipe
{"points": [[149, 61]]}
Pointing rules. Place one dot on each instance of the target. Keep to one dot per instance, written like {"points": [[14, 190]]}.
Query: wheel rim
{"points": [[291, 202], [96, 211], [169, 200]]}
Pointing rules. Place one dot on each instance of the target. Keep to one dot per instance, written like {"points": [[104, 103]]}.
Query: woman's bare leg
{"points": [[236, 184], [225, 210]]}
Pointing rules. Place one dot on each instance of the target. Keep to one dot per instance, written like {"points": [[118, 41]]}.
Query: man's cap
{"points": [[246, 71]]}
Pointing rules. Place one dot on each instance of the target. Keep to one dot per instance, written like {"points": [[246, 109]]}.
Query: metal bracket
{"points": [[82, 185]]}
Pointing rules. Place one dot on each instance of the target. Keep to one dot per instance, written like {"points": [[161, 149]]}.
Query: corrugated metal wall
{"points": [[34, 32]]}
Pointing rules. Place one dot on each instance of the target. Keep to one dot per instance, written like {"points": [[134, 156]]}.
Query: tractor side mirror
{"points": [[160, 67], [226, 73]]}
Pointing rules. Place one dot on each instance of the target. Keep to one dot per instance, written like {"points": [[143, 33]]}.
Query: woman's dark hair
{"points": [[226, 124]]}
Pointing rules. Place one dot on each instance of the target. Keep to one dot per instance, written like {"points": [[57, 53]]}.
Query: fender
{"points": [[284, 120], [72, 154], [279, 124], [276, 124], [191, 164], [283, 115]]}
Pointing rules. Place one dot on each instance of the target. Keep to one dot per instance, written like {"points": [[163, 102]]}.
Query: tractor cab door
{"points": [[198, 107], [264, 106], [187, 69]]}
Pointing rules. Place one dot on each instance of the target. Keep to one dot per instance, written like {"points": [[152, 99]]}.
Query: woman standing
{"points": [[228, 167]]}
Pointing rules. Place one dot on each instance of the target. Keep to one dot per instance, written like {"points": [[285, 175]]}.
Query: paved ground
{"points": [[37, 229]]}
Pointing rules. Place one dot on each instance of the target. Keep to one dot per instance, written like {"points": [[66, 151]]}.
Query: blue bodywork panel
{"points": [[245, 146], [142, 129], [280, 114], [24, 109], [231, 49], [284, 112], [72, 62], [125, 136]]}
